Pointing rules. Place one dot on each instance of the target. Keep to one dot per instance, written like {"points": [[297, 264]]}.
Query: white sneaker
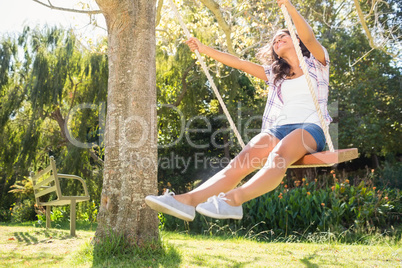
{"points": [[169, 205], [216, 207]]}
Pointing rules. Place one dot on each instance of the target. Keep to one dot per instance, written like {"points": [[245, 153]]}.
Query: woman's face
{"points": [[281, 41]]}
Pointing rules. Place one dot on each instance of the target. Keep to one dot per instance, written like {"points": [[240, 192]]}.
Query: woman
{"points": [[291, 126]]}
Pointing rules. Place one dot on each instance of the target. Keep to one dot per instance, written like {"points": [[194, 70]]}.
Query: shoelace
{"points": [[215, 200]]}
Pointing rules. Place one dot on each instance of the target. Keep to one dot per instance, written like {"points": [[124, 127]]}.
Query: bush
{"points": [[23, 211], [88, 212], [307, 208], [5, 214], [390, 175], [58, 215]]}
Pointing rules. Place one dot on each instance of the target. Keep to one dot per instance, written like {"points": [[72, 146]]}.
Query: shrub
{"points": [[307, 208], [58, 215], [390, 174], [88, 212], [23, 211], [5, 214]]}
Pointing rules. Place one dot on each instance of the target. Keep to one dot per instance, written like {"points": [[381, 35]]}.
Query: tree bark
{"points": [[56, 115], [130, 167]]}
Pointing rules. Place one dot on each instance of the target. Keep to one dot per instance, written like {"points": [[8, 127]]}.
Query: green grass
{"points": [[211, 252], [28, 246], [23, 246]]}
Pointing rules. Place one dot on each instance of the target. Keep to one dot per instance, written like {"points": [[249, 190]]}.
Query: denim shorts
{"points": [[281, 132]]}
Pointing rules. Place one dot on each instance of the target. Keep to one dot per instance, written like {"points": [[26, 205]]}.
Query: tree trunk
{"points": [[375, 161], [56, 115], [130, 167]]}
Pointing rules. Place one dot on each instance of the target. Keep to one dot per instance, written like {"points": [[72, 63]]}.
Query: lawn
{"points": [[26, 246]]}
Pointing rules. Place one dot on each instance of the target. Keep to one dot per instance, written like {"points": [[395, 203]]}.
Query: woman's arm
{"points": [[228, 59], [305, 32]]}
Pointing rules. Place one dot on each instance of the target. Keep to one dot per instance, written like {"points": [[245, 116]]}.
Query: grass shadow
{"points": [[307, 262], [35, 237], [58, 225], [207, 260], [25, 237], [56, 234], [27, 246]]}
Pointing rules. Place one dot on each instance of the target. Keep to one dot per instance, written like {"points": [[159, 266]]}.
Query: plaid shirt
{"points": [[274, 104]]}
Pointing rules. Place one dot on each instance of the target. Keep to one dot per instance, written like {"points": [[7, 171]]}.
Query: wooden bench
{"points": [[47, 182]]}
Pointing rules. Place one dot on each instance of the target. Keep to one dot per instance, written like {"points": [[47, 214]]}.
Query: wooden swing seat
{"points": [[326, 158]]}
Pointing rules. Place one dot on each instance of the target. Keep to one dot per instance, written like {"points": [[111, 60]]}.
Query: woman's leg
{"points": [[251, 158], [287, 151]]}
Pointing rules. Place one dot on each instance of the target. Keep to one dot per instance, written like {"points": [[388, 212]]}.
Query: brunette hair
{"points": [[280, 68]]}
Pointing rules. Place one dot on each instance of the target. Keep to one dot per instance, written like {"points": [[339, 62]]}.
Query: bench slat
{"points": [[81, 197], [40, 174], [39, 185], [64, 202], [48, 190]]}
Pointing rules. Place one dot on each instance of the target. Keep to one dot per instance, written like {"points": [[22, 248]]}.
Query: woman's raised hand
{"points": [[287, 3], [195, 44]]}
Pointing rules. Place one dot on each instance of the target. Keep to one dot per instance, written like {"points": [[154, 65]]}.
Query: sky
{"points": [[15, 14]]}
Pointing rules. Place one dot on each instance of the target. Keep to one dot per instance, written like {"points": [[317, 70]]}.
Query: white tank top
{"points": [[298, 103]]}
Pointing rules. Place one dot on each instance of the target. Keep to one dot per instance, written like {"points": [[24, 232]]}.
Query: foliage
{"points": [[23, 189], [307, 208], [39, 90], [390, 174], [5, 214], [363, 90], [24, 208], [88, 215], [58, 215], [42, 94], [23, 211], [367, 93]]}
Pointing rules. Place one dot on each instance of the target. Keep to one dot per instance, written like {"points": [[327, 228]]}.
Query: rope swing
{"points": [[324, 126], [321, 159], [211, 81]]}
